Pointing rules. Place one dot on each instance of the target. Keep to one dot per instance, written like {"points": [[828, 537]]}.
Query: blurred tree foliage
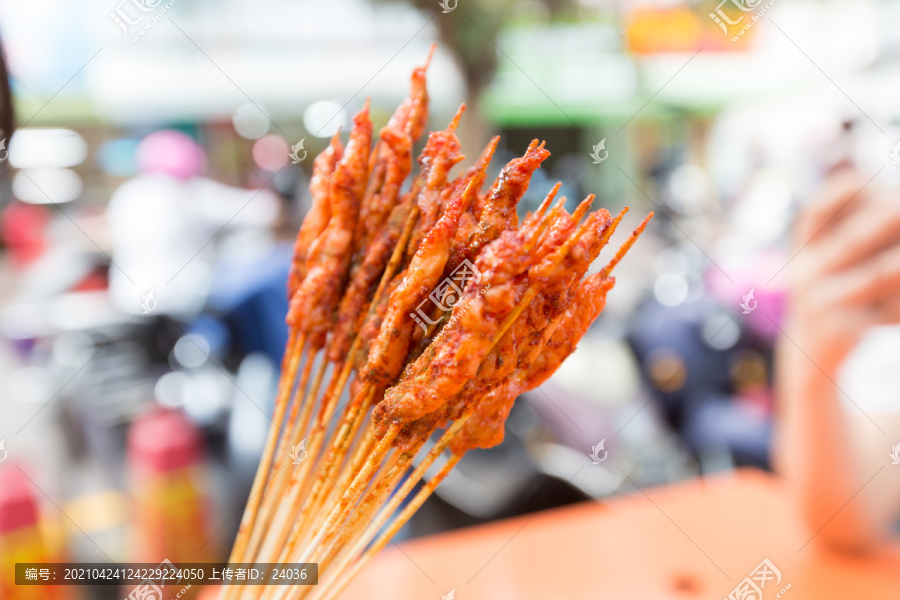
{"points": [[470, 31], [471, 27]]}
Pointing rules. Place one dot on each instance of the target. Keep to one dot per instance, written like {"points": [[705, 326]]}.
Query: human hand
{"points": [[845, 275]]}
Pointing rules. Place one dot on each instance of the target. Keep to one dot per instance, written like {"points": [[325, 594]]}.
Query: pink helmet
{"points": [[172, 153]]}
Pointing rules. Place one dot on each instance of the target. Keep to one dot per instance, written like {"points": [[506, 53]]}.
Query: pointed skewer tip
{"points": [[583, 207], [456, 118], [431, 51], [542, 209], [623, 250]]}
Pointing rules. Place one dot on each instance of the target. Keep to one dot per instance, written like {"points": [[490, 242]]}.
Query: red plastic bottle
{"points": [[165, 453], [20, 536]]}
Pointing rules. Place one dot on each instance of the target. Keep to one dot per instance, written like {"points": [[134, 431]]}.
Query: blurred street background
{"points": [[159, 171]]}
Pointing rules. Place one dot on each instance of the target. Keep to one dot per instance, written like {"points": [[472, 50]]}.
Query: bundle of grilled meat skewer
{"points": [[417, 316]]}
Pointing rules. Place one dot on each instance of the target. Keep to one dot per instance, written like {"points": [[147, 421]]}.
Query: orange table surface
{"points": [[693, 540]]}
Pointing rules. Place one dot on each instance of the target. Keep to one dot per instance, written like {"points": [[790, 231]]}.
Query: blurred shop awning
{"points": [[553, 74], [583, 74], [559, 73]]}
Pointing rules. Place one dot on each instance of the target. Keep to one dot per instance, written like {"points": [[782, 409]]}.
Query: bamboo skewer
{"points": [[361, 517], [342, 504], [341, 511], [309, 511], [371, 504], [290, 363], [415, 477], [361, 480], [289, 502], [332, 396], [247, 522], [328, 404], [326, 593], [301, 397], [400, 495], [298, 399], [340, 444], [435, 452], [273, 545], [359, 554], [394, 475]]}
